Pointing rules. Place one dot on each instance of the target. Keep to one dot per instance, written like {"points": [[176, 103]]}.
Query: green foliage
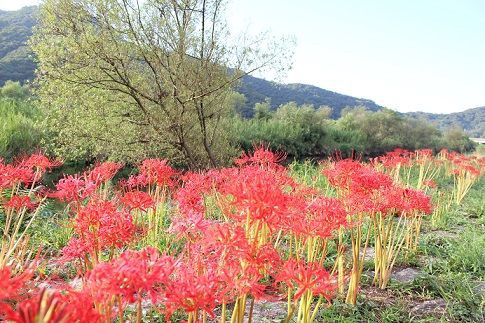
{"points": [[18, 131], [303, 131], [123, 80], [457, 140], [15, 91]]}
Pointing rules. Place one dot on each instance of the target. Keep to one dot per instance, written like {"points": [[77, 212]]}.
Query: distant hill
{"points": [[16, 61], [257, 90], [471, 120]]}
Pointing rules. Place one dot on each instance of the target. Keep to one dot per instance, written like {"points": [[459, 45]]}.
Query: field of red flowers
{"points": [[205, 246]]}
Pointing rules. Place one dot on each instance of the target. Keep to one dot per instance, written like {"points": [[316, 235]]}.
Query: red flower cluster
{"points": [[307, 277], [18, 202], [99, 226], [133, 275], [138, 200]]}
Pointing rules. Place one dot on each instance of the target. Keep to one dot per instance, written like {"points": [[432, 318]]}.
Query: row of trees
{"points": [[300, 131], [303, 131]]}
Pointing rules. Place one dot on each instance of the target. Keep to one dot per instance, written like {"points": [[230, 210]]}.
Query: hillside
{"points": [[16, 61], [257, 90], [471, 120]]}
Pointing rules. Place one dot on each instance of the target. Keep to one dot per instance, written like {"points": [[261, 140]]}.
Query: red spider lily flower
{"points": [[341, 173], [18, 202], [134, 274], [424, 153], [261, 156], [10, 284], [73, 189], [241, 280], [196, 186], [191, 225], [192, 291], [104, 172], [471, 169], [134, 181], [227, 237], [320, 217], [416, 200], [10, 175], [395, 158], [75, 249], [260, 194], [138, 200], [10, 289], [307, 277], [53, 306], [40, 162], [367, 180], [157, 171], [100, 223]]}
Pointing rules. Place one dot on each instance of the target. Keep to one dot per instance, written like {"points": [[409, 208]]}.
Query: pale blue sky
{"points": [[409, 55]]}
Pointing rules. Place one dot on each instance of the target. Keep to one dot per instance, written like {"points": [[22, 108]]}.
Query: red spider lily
{"points": [[99, 226], [307, 277], [341, 173], [10, 285], [75, 249], [157, 171], [260, 195], [103, 172], [10, 289], [40, 162], [10, 175], [190, 196], [191, 291], [138, 200], [415, 200], [53, 306], [134, 181], [321, 217], [239, 264], [100, 223], [73, 189], [396, 157], [261, 156], [190, 225], [18, 202], [368, 180], [132, 275]]}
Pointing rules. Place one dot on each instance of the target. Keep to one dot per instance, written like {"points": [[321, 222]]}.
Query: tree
{"points": [[13, 90], [262, 110], [163, 69]]}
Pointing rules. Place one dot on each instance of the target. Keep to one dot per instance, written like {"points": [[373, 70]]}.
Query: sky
{"points": [[408, 55]]}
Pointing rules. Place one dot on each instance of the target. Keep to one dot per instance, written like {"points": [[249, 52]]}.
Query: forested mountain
{"points": [[471, 120], [16, 61], [17, 64], [257, 90]]}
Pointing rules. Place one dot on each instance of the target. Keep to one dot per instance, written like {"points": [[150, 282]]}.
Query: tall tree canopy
{"points": [[134, 78]]}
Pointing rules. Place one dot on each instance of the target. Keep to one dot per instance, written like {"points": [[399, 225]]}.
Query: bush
{"points": [[18, 132]]}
